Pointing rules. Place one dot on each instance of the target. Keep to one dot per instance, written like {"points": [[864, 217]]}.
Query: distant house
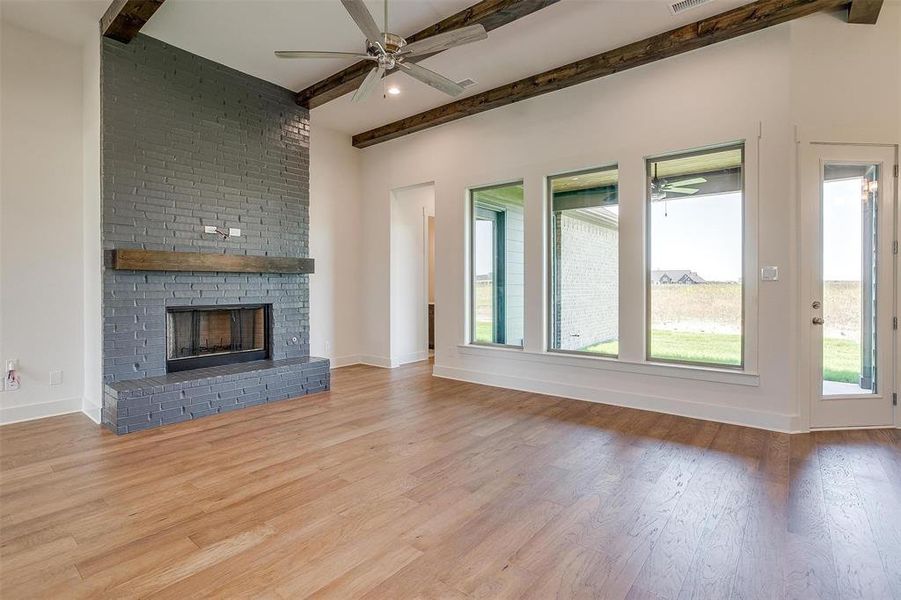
{"points": [[676, 276]]}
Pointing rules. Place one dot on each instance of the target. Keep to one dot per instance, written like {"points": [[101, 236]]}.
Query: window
{"points": [[695, 241], [584, 262], [497, 265], [850, 248]]}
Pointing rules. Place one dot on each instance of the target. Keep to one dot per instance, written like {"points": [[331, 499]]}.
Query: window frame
{"points": [[499, 259], [741, 145], [549, 267]]}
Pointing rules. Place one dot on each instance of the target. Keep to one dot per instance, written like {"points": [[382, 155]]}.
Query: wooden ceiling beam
{"points": [[864, 12], [491, 14], [724, 26], [124, 18]]}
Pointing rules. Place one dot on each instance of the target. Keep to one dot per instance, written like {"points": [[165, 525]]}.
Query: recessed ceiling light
{"points": [[394, 90]]}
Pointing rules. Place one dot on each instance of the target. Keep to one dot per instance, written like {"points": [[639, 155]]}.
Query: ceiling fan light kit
{"points": [[391, 52]]}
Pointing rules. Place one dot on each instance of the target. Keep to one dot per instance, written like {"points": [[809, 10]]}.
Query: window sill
{"points": [[600, 363]]}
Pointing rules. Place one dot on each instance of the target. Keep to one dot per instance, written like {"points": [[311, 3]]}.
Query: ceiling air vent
{"points": [[466, 82], [683, 5]]}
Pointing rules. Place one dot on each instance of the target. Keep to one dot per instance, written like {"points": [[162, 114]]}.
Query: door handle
{"points": [[818, 320]]}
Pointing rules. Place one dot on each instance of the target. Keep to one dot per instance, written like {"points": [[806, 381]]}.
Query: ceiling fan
{"points": [[390, 51], [661, 187]]}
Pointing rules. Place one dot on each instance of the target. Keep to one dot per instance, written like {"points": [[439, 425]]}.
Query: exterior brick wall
{"points": [[588, 311]]}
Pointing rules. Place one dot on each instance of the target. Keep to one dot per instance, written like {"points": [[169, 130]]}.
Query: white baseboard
{"points": [[344, 361], [377, 361], [410, 358], [29, 412], [382, 362], [696, 410], [91, 410]]}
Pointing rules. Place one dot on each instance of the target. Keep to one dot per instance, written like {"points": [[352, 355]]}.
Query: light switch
{"points": [[234, 232], [769, 274]]}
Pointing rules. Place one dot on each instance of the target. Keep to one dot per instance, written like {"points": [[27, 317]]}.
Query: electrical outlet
{"points": [[328, 347], [209, 229], [11, 375], [56, 377], [234, 232]]}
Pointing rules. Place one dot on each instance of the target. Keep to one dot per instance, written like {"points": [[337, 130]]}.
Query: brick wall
{"points": [[588, 307], [186, 143]]}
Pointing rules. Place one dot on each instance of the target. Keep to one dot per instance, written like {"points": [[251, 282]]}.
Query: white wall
{"points": [[92, 251], [410, 209], [846, 79], [748, 88], [41, 217], [336, 303]]}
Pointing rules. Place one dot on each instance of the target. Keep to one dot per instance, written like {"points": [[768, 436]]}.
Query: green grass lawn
{"points": [[484, 333], [688, 346], [841, 358]]}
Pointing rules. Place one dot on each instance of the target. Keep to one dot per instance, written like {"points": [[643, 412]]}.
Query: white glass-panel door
{"points": [[848, 209]]}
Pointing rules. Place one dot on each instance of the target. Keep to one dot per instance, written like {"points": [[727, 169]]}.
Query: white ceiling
{"points": [[242, 34], [67, 20]]}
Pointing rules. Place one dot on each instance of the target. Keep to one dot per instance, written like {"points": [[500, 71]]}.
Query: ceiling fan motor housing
{"points": [[393, 42]]}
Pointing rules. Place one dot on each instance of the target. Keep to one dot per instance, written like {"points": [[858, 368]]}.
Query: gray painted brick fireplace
{"points": [[187, 143]]}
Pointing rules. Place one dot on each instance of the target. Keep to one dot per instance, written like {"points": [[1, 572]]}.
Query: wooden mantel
{"points": [[161, 260]]}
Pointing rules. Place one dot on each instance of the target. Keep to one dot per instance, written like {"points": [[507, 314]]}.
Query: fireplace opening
{"points": [[208, 336]]}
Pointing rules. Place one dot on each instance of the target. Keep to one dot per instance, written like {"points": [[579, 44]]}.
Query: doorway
{"points": [[849, 212], [412, 273]]}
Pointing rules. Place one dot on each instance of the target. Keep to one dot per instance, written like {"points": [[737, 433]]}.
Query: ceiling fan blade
{"points": [[448, 39], [692, 181], [368, 84], [316, 54], [431, 78], [363, 18], [680, 190]]}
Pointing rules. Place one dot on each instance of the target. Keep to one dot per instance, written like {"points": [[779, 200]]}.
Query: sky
{"points": [[841, 230], [484, 256], [698, 234]]}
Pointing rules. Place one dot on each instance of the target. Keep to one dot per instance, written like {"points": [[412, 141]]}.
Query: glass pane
{"points": [[849, 286], [485, 293], [205, 331], [585, 262], [497, 265], [695, 280]]}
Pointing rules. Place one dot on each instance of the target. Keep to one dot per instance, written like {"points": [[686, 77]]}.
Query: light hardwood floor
{"points": [[400, 485]]}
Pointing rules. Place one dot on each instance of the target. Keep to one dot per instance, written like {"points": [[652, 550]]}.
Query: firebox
{"points": [[208, 336]]}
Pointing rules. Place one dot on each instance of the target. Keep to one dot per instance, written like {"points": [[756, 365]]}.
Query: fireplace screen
{"points": [[205, 336]]}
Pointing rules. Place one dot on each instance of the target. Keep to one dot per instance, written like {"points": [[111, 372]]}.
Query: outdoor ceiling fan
{"points": [[390, 51], [661, 187]]}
